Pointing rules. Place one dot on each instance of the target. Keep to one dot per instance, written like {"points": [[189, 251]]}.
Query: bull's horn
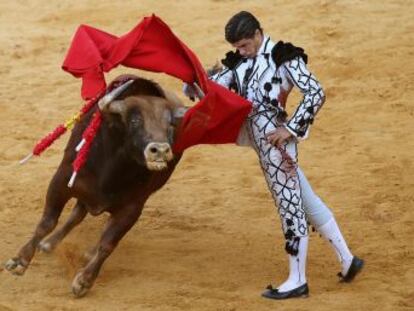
{"points": [[199, 91], [113, 94]]}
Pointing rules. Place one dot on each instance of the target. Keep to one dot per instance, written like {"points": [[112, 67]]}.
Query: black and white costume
{"points": [[266, 80], [267, 85]]}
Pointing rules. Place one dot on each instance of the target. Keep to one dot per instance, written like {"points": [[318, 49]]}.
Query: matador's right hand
{"points": [[278, 136], [189, 91]]}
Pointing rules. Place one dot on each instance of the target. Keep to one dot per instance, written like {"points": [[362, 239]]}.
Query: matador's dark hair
{"points": [[243, 25]]}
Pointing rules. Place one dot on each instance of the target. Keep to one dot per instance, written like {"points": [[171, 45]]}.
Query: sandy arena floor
{"points": [[211, 238]]}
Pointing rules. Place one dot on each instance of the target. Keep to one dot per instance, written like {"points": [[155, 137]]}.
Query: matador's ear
{"points": [[232, 59], [283, 52]]}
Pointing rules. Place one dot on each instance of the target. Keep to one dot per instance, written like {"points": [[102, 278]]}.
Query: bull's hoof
{"points": [[80, 286], [15, 266], [45, 247]]}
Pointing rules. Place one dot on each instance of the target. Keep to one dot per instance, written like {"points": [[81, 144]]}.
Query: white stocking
{"points": [[297, 267], [330, 231]]}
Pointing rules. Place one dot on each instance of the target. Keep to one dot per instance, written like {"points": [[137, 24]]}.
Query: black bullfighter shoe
{"points": [[356, 266], [273, 293]]}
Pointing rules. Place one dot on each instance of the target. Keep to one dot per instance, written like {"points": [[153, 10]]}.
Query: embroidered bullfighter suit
{"points": [[266, 80]]}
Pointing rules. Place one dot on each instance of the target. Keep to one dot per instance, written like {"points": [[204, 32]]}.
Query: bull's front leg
{"points": [[118, 225], [78, 214], [56, 198]]}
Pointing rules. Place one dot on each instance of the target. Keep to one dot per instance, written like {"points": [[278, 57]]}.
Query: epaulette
{"points": [[283, 52], [232, 59]]}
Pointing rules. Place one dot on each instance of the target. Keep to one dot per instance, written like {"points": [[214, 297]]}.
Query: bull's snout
{"points": [[157, 155]]}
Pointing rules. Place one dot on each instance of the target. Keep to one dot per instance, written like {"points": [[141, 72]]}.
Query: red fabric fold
{"points": [[152, 46]]}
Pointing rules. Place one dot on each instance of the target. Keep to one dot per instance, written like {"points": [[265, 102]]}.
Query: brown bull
{"points": [[130, 158]]}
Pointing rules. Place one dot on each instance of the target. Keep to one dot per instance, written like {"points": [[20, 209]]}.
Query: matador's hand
{"points": [[278, 136], [189, 91]]}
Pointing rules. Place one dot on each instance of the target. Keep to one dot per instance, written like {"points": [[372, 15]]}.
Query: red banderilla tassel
{"points": [[88, 136]]}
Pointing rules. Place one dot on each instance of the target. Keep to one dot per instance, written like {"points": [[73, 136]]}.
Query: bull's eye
{"points": [[170, 134], [167, 116], [135, 122]]}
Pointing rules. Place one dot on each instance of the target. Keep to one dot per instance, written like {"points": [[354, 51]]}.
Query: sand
{"points": [[211, 238]]}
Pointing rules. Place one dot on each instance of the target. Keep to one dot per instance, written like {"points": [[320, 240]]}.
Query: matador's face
{"points": [[249, 47]]}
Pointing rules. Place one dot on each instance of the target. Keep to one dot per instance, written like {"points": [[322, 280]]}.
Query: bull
{"points": [[130, 158]]}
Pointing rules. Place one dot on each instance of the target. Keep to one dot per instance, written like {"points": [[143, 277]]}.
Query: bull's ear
{"points": [[178, 114], [117, 107], [115, 113]]}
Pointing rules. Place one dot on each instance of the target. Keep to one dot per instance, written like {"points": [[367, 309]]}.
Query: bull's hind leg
{"points": [[118, 225], [56, 198], [78, 214]]}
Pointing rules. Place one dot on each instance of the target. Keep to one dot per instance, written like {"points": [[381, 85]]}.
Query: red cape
{"points": [[152, 46]]}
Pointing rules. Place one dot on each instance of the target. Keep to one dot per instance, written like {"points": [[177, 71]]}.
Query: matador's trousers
{"points": [[295, 200]]}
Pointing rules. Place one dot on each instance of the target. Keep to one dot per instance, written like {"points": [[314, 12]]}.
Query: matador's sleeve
{"points": [[224, 77], [313, 97]]}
